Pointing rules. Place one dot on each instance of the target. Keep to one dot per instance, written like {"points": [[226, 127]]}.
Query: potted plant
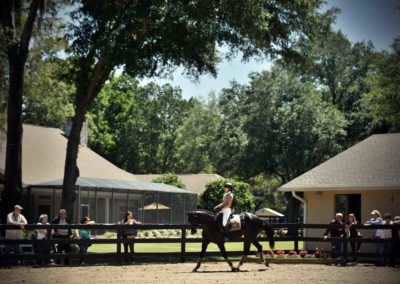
{"points": [[269, 253], [303, 253], [293, 254], [281, 254], [317, 254]]}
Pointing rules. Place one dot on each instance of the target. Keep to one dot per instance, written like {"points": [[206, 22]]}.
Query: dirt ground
{"points": [[209, 273]]}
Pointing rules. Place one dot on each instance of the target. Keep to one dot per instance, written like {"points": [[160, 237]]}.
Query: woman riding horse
{"points": [[251, 226], [224, 208]]}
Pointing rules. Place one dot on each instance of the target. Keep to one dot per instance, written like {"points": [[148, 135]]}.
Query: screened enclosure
{"points": [[107, 201]]}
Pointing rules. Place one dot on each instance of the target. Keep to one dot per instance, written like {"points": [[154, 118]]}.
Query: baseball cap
{"points": [[373, 212]]}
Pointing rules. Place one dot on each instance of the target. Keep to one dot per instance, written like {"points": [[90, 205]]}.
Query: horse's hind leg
{"points": [[260, 251], [225, 255], [246, 247], [204, 245]]}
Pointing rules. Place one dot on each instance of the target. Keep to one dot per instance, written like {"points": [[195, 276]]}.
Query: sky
{"points": [[375, 20]]}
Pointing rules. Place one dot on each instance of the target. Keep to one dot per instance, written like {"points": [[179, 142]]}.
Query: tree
{"points": [[149, 38], [230, 138], [339, 69], [289, 128], [135, 127], [17, 30], [170, 179], [382, 102], [195, 138], [47, 95], [212, 196]]}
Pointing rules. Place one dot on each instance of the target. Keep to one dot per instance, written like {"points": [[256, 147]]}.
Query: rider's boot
{"points": [[225, 233]]}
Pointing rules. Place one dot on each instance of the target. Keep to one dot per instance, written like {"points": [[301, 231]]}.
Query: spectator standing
{"points": [[86, 235], [396, 246], [129, 234], [385, 234], [62, 234], [335, 233], [15, 218], [354, 236], [42, 248], [375, 220]]}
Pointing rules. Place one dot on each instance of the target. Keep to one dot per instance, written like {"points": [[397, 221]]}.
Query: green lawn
{"points": [[190, 247]]}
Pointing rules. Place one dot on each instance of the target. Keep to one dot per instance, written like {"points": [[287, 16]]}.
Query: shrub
{"points": [[170, 179], [243, 199], [110, 235]]}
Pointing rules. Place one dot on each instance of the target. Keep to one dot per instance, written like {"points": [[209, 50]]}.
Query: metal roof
{"points": [[115, 184]]}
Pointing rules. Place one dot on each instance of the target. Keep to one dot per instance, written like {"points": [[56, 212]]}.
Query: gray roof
{"points": [[115, 184], [43, 158], [372, 164], [194, 182]]}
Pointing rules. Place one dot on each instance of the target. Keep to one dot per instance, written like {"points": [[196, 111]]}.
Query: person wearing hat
{"points": [[225, 207], [335, 233], [17, 219], [375, 220], [386, 234]]}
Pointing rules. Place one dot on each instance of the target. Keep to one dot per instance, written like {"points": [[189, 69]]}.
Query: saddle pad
{"points": [[234, 223]]}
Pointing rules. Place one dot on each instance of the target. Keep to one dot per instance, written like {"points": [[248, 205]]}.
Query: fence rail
{"points": [[183, 240]]}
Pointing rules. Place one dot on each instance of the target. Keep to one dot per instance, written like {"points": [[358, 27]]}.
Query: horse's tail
{"points": [[270, 234]]}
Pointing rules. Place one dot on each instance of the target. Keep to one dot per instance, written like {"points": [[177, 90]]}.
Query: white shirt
{"points": [[41, 233], [384, 233], [15, 234]]}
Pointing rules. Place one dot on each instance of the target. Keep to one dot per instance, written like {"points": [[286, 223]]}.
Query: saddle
{"points": [[234, 223]]}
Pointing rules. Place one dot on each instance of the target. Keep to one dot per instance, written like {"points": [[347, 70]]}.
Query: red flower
{"points": [[303, 253], [317, 253], [269, 252], [280, 252], [292, 252]]}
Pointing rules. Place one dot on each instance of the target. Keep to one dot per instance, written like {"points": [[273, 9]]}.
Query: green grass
{"points": [[190, 247]]}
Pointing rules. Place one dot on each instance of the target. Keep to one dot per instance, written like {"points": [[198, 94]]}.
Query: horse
{"points": [[251, 226]]}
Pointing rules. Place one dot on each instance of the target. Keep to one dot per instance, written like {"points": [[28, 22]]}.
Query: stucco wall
{"points": [[321, 210]]}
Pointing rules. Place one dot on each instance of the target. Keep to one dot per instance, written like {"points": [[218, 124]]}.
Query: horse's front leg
{"points": [[204, 245], [246, 247], [225, 255]]}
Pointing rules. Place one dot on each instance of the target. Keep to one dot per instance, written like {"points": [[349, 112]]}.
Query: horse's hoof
{"points": [[235, 269], [194, 270]]}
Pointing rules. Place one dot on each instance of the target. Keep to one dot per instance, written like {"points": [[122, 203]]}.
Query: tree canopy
{"points": [[243, 200]]}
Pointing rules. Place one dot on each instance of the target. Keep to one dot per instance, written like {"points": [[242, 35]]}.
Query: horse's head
{"points": [[198, 217]]}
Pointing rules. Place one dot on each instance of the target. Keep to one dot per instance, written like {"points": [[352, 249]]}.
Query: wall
{"points": [[321, 210]]}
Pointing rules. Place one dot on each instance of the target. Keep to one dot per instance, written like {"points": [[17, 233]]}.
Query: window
{"points": [[84, 210], [348, 203]]}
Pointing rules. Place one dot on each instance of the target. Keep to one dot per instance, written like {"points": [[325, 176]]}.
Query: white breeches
{"points": [[226, 213]]}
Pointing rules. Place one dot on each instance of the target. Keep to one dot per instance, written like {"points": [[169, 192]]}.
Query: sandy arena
{"points": [[208, 273]]}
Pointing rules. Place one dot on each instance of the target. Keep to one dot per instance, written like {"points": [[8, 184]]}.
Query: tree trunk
{"points": [[71, 171], [87, 91], [13, 174]]}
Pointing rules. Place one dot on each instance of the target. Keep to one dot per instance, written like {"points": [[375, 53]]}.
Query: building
{"points": [[195, 183], [358, 180], [104, 191]]}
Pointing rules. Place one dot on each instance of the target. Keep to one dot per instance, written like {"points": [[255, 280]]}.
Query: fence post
{"points": [[296, 237], [119, 239], [344, 240], [49, 245], [183, 244]]}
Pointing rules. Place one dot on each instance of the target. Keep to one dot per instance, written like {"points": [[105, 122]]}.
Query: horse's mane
{"points": [[205, 211]]}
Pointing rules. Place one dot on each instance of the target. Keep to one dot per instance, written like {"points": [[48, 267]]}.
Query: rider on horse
{"points": [[225, 206]]}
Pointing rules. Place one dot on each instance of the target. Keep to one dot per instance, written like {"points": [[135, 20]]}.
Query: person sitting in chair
{"points": [[224, 208]]}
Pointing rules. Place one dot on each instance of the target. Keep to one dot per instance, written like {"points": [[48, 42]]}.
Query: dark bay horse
{"points": [[251, 227]]}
